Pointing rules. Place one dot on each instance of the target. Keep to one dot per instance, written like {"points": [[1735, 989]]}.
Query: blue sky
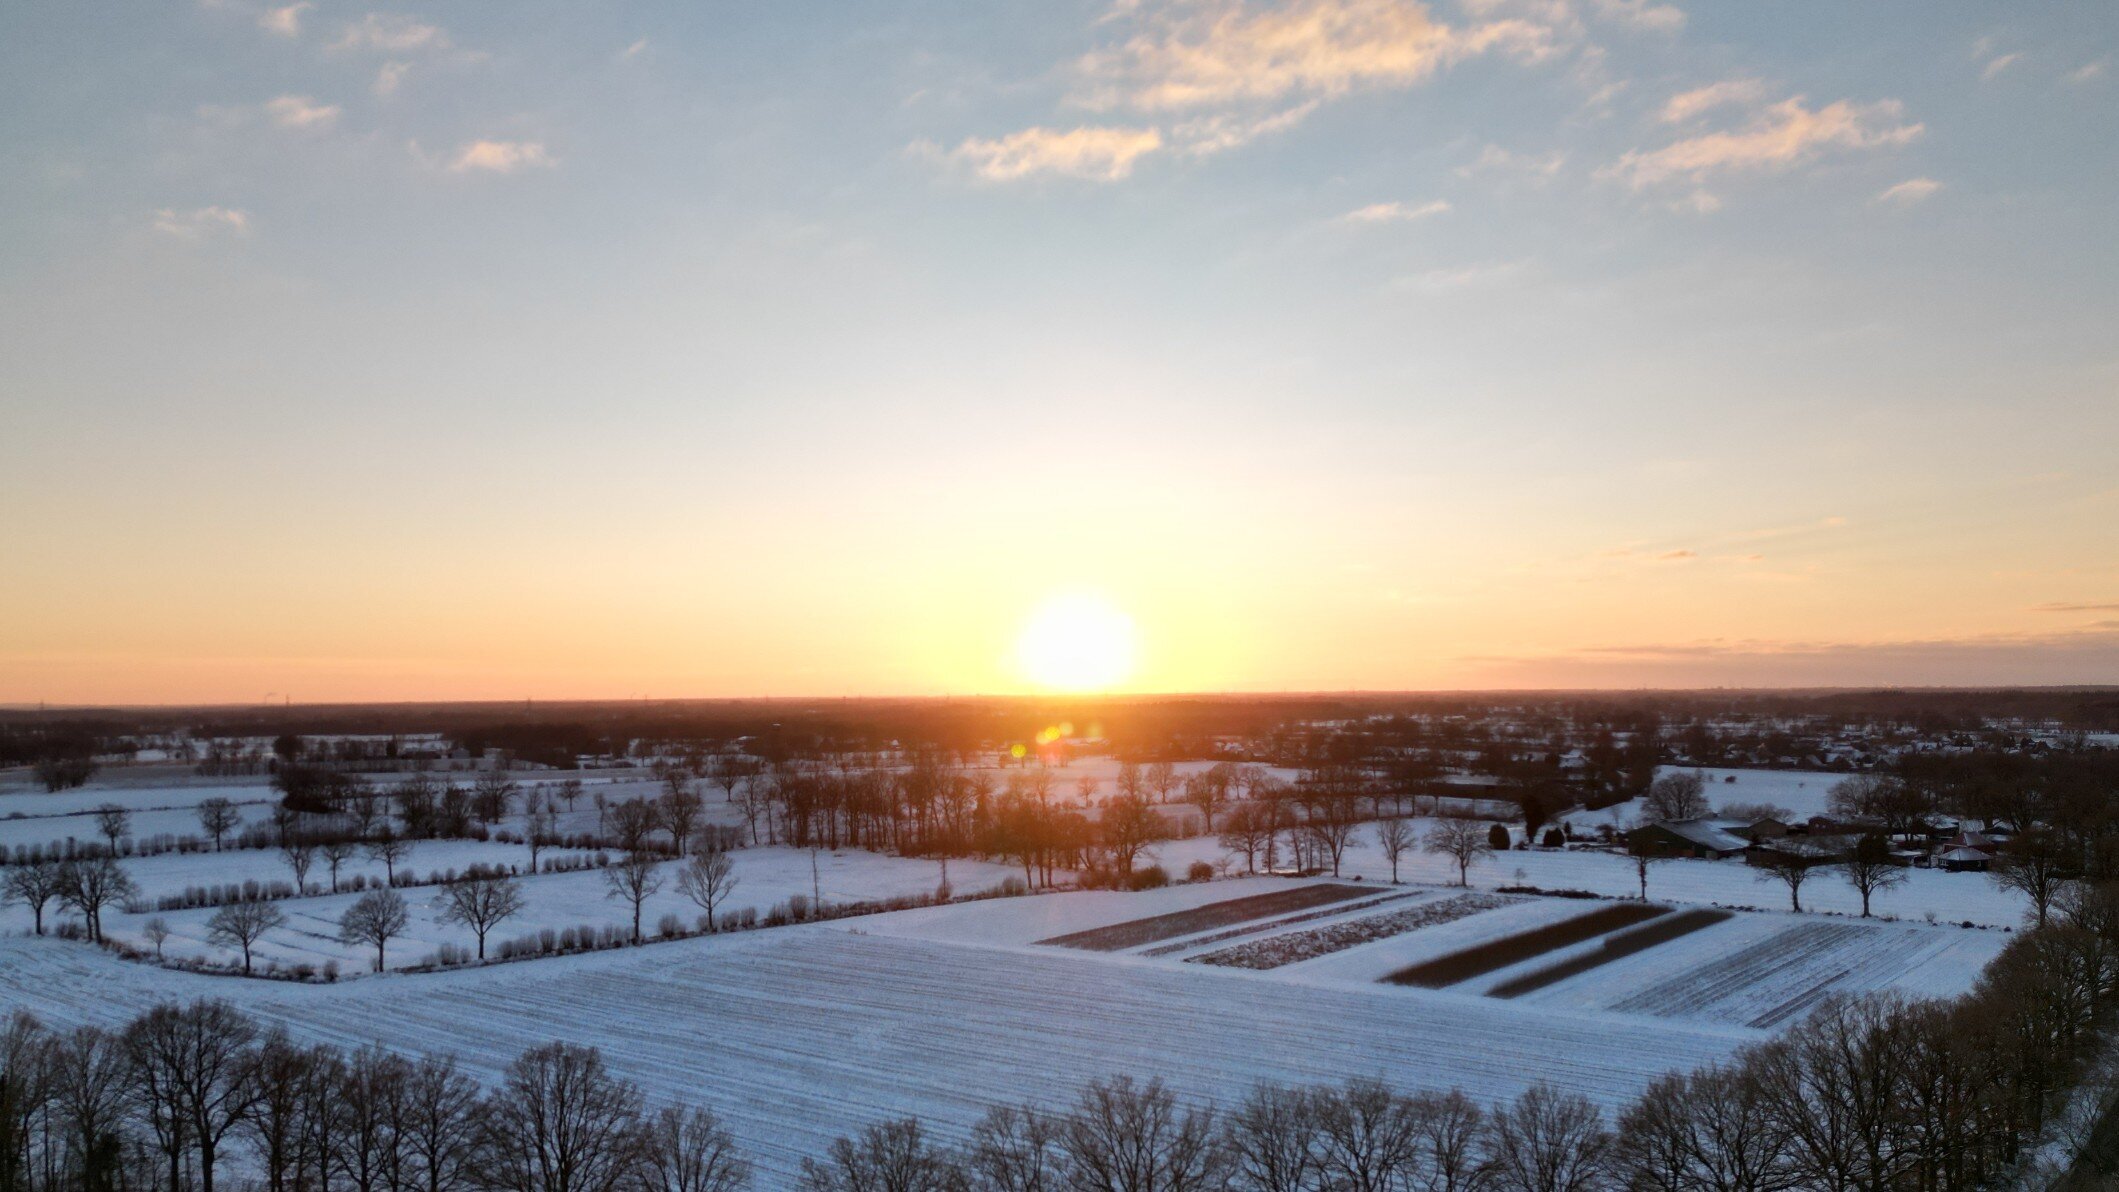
{"points": [[698, 349]]}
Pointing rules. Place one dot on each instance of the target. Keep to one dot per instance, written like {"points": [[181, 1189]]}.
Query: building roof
{"points": [[1967, 854], [1708, 834]]}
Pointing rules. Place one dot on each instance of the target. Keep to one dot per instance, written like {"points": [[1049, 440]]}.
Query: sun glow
{"points": [[1076, 642]]}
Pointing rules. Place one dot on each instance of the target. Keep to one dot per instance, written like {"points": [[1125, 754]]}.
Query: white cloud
{"points": [[1909, 192], [286, 20], [1218, 52], [501, 157], [391, 32], [201, 222], [389, 76], [2089, 71], [634, 50], [1099, 154], [1396, 212], [1783, 135], [1687, 104], [1997, 65], [300, 111]]}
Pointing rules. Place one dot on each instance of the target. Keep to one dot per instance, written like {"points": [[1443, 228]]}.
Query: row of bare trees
{"points": [[183, 1093]]}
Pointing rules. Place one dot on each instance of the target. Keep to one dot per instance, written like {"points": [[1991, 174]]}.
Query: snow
{"points": [[1949, 897], [797, 1035], [1801, 793]]}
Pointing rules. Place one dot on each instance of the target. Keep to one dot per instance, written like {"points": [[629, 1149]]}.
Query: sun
{"points": [[1076, 642]]}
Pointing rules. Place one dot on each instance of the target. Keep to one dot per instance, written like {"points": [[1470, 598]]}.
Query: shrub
{"points": [[1200, 871], [1013, 887], [669, 927], [1152, 878]]}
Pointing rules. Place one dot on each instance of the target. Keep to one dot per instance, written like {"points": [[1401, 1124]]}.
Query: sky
{"points": [[552, 350]]}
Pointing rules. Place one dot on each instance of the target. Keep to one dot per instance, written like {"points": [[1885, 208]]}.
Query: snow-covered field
{"points": [[796, 1035]]}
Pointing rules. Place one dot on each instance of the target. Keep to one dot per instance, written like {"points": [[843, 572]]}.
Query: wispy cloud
{"points": [[634, 50], [1671, 555], [391, 32], [1909, 192], [1686, 105], [1493, 159], [1485, 275], [1998, 64], [2090, 71], [2063, 606], [1645, 14], [1781, 136], [201, 222], [300, 111], [501, 157], [1096, 153], [1396, 212], [1221, 131], [390, 76]]}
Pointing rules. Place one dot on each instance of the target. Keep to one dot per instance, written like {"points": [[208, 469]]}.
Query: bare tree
{"points": [[1124, 1137], [1247, 830], [480, 901], [1206, 791], [492, 795], [437, 1128], [1273, 1141], [2034, 866], [1161, 777], [632, 822], [391, 850], [1644, 855], [689, 1151], [561, 1123], [570, 791], [707, 879], [1681, 796], [1461, 839], [91, 884], [193, 1065], [1368, 1136], [889, 1157], [1789, 864], [1016, 1149], [218, 816], [113, 822], [1396, 838], [1710, 1130], [241, 924], [1547, 1141], [300, 855], [1870, 867], [336, 852], [34, 884], [377, 917], [1331, 823], [679, 810], [156, 932], [635, 880], [1126, 827]]}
